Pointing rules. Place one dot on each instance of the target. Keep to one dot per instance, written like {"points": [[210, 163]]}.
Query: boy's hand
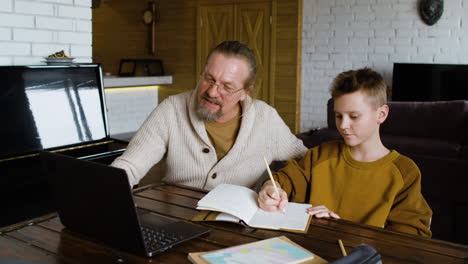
{"points": [[268, 199], [320, 211]]}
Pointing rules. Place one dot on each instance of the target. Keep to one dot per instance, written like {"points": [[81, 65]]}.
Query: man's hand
{"points": [[268, 199], [320, 211]]}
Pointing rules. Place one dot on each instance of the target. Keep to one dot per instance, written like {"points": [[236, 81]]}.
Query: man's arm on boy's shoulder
{"points": [[295, 178], [410, 212]]}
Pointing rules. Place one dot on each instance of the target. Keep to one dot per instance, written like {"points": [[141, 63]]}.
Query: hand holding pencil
{"points": [[272, 198]]}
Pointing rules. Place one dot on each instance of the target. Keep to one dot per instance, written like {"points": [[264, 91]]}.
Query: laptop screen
{"points": [[45, 107]]}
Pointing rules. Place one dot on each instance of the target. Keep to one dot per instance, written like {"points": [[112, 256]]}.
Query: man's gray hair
{"points": [[237, 49]]}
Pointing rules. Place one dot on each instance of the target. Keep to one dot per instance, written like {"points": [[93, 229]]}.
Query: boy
{"points": [[358, 178]]}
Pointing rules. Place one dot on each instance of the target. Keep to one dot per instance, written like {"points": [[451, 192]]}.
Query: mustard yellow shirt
{"points": [[223, 135], [384, 193]]}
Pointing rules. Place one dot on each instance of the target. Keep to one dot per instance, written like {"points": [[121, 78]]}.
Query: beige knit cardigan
{"points": [[173, 131]]}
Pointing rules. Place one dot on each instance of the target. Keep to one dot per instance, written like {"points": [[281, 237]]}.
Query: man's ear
{"points": [[382, 113], [246, 92]]}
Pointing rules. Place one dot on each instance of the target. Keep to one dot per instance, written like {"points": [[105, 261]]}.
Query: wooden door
{"points": [[215, 24], [249, 23], [254, 21]]}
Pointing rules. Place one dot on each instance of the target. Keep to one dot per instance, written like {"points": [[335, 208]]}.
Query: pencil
{"points": [[272, 179], [343, 250]]}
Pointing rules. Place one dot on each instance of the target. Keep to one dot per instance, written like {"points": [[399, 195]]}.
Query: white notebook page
{"points": [[295, 218], [232, 199]]}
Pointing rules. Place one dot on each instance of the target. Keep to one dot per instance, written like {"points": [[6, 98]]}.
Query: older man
{"points": [[216, 133]]}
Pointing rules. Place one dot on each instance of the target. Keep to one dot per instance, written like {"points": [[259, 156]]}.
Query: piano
{"points": [[53, 108]]}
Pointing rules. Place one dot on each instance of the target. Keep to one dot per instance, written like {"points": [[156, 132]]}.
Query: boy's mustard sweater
{"points": [[384, 193]]}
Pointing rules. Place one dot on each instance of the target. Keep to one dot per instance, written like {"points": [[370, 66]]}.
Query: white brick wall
{"points": [[34, 8], [55, 24], [74, 11], [127, 109], [5, 34], [33, 29], [6, 5], [14, 49], [340, 35]]}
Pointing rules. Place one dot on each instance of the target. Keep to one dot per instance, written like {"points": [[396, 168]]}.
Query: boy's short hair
{"points": [[365, 79]]}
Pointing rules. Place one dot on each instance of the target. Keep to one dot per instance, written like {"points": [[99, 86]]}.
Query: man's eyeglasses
{"points": [[223, 89]]}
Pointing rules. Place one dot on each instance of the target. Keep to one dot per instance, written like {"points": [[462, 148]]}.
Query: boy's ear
{"points": [[382, 113]]}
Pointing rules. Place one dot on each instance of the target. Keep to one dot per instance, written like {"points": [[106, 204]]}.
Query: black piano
{"points": [[54, 108]]}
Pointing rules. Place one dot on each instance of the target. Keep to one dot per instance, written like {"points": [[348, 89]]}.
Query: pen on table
{"points": [[272, 180], [343, 250]]}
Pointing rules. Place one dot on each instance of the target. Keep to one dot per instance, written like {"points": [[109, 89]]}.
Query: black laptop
{"points": [[96, 200]]}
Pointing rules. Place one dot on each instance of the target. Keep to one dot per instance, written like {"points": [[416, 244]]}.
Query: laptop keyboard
{"points": [[157, 239]]}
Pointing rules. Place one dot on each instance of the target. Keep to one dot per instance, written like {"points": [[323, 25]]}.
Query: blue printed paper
{"points": [[268, 251]]}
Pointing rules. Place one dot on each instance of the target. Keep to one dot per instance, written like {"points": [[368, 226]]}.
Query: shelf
{"points": [[115, 81]]}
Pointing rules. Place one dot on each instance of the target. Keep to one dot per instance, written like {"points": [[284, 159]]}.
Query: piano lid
{"points": [[47, 107]]}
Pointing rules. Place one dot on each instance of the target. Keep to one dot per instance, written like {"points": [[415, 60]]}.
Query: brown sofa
{"points": [[435, 136]]}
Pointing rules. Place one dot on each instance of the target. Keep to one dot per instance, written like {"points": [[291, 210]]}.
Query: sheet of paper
{"points": [[227, 217], [268, 251], [232, 199], [295, 218]]}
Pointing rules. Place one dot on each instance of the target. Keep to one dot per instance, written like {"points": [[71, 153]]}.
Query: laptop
{"points": [[96, 200]]}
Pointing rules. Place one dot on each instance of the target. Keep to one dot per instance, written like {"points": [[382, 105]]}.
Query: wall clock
{"points": [[148, 16]]}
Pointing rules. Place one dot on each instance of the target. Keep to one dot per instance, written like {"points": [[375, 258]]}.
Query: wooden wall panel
{"points": [[287, 77], [177, 28], [119, 32]]}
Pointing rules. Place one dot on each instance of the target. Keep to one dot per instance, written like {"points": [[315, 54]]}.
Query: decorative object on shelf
{"points": [[151, 67], [431, 10], [58, 58], [150, 17]]}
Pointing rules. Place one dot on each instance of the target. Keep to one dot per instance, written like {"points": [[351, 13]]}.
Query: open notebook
{"points": [[238, 204]]}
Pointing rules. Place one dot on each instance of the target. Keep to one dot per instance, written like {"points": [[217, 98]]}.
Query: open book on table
{"points": [[234, 203], [276, 250]]}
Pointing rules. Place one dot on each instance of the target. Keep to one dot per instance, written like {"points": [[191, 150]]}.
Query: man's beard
{"points": [[203, 111]]}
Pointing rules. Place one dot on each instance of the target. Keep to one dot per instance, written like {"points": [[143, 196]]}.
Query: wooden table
{"points": [[44, 240]]}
